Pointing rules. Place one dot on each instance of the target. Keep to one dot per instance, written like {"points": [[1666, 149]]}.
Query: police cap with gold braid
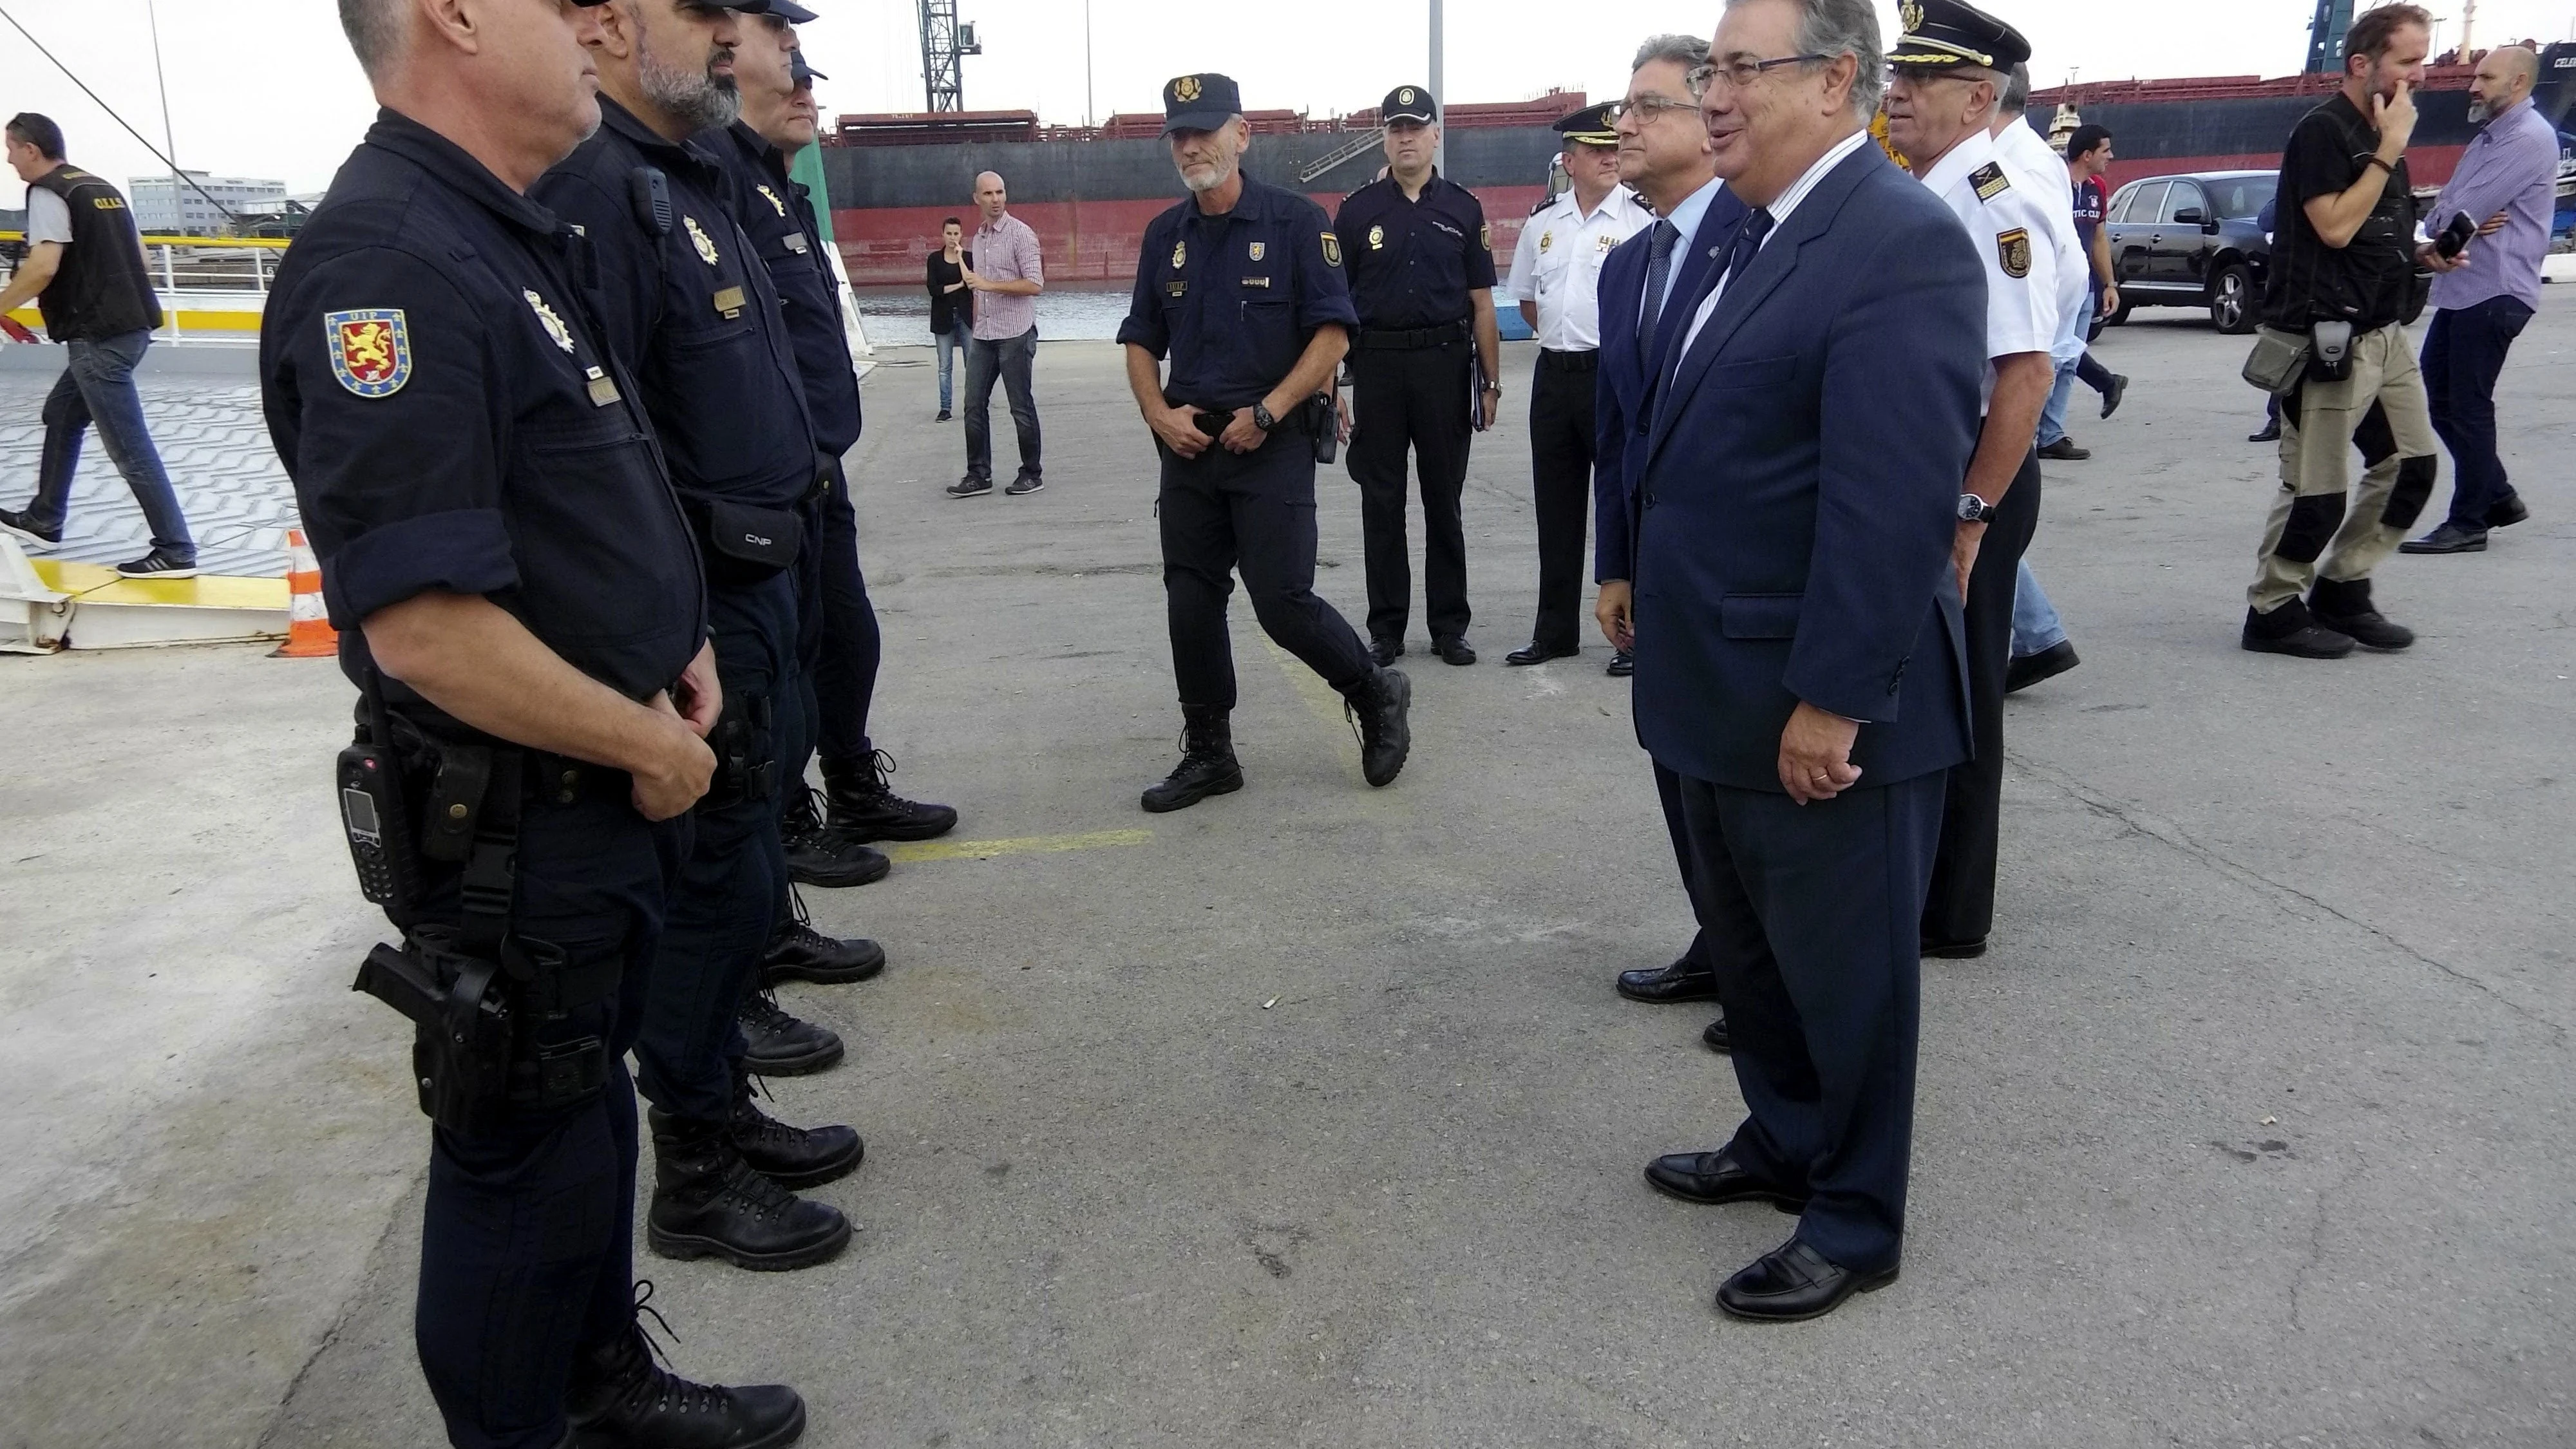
{"points": [[1591, 126], [1941, 34], [1202, 102]]}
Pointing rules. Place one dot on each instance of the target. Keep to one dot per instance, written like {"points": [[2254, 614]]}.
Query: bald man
{"points": [[1007, 276], [2506, 182]]}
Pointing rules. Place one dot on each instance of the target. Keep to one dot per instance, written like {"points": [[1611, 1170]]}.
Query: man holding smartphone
{"points": [[2343, 273]]}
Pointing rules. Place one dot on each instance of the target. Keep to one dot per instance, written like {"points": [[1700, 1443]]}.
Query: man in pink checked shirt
{"points": [[1006, 278]]}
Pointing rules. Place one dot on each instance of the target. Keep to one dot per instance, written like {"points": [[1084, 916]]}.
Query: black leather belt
{"points": [[1375, 340], [1589, 361]]}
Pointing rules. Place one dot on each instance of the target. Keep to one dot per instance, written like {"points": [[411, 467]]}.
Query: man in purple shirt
{"points": [[1006, 278], [2507, 182]]}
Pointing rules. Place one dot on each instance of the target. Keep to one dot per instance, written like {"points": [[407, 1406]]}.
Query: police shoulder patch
{"points": [[370, 350], [1485, 235], [1332, 250], [2012, 250], [1990, 181]]}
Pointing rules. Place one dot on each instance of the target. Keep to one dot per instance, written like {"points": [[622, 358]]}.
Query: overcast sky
{"points": [[267, 87]]}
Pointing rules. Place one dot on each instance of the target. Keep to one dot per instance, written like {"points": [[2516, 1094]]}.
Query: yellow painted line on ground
{"points": [[1026, 845], [1320, 699]]}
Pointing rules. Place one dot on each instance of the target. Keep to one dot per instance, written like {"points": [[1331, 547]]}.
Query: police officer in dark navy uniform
{"points": [[1426, 370], [1241, 287], [688, 307], [520, 602]]}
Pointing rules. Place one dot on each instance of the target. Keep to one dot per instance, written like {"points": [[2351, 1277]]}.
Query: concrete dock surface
{"points": [[1307, 1117]]}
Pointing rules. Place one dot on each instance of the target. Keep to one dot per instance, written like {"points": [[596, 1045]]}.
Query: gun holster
{"points": [[1324, 424], [746, 750]]}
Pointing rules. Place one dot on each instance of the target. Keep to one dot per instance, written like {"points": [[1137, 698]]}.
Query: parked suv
{"points": [[2190, 240]]}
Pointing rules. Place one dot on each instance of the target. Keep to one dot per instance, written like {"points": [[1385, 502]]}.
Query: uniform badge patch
{"points": [[2012, 248], [1258, 249], [546, 317], [370, 350], [1180, 255], [1377, 238], [1485, 236], [1990, 181], [698, 238], [1608, 243], [772, 198], [1186, 88], [1910, 14], [1332, 250], [1546, 239]]}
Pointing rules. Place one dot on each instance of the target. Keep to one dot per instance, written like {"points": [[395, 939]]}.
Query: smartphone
{"points": [[2455, 237]]}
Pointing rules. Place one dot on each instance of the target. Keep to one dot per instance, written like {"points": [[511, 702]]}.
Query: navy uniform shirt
{"points": [[692, 314], [777, 212], [1233, 300], [439, 392], [1414, 262]]}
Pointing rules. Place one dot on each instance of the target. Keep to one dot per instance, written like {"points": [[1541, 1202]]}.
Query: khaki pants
{"points": [[2382, 408]]}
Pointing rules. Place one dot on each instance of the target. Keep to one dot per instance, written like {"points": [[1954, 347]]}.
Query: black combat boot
{"points": [[798, 952], [789, 1156], [1379, 706], [619, 1398], [818, 855], [709, 1202], [1207, 764], [781, 1045], [865, 806], [2346, 609]]}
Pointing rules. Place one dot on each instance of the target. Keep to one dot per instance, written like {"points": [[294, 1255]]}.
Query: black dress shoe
{"points": [[1453, 650], [2271, 433], [1715, 1038], [1537, 653], [619, 1398], [1664, 985], [1955, 950], [780, 1044], [2064, 450], [1716, 1177], [2507, 512], [2111, 395], [2029, 669], [1386, 651], [2449, 538], [1794, 1282], [1622, 664]]}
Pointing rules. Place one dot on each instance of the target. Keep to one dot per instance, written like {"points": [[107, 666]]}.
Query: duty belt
{"points": [[1374, 340], [1586, 361]]}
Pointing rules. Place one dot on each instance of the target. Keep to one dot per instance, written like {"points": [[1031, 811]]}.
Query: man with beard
{"points": [[1241, 287], [435, 383], [690, 310], [1664, 153]]}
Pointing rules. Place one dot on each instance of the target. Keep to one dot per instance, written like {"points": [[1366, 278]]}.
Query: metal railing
{"points": [[210, 287]]}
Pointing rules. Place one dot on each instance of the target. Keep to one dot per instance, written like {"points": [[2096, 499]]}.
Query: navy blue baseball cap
{"points": [[787, 10], [1201, 102], [1407, 103], [799, 73]]}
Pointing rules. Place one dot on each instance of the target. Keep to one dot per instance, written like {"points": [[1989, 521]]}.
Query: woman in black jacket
{"points": [[952, 307]]}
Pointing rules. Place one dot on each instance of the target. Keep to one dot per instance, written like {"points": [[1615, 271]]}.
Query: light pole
{"points": [[169, 140], [1439, 93], [1088, 119]]}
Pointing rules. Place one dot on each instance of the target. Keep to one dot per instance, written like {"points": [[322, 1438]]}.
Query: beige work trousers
{"points": [[2383, 402]]}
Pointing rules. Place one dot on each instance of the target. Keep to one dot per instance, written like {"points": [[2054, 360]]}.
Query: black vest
{"points": [[103, 289]]}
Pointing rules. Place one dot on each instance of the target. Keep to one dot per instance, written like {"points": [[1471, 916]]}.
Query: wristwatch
{"points": [[1973, 509], [1262, 419]]}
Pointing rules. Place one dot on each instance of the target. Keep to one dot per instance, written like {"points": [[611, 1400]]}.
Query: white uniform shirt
{"points": [[2027, 155], [1558, 264], [49, 217], [2009, 226]]}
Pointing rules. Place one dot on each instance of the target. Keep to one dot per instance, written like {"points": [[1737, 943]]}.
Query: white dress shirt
{"points": [[1558, 264], [2009, 228], [2028, 156], [1780, 207]]}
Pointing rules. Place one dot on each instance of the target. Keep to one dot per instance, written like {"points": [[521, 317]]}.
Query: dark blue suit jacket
{"points": [[1798, 489], [1619, 386]]}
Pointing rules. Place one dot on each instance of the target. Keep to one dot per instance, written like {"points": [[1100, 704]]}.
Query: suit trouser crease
{"points": [[1255, 511], [527, 1240], [725, 906], [2315, 531], [1012, 359], [1413, 400], [1809, 917], [97, 388], [2464, 353], [1561, 458], [1961, 904], [1668, 793]]}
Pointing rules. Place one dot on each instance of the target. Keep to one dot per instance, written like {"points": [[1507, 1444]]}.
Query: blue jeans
{"points": [[950, 343], [2035, 625], [1009, 360], [2463, 353], [98, 387]]}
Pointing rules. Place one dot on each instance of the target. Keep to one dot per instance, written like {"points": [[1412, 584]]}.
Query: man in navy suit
{"points": [[1664, 154], [1800, 662]]}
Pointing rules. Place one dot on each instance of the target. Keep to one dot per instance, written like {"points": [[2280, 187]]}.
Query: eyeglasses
{"points": [[1743, 73], [1647, 108]]}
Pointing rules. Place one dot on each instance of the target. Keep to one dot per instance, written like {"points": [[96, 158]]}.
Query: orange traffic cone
{"points": [[309, 634]]}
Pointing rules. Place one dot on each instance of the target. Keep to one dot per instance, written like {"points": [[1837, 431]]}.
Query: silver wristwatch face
{"points": [[1972, 509]]}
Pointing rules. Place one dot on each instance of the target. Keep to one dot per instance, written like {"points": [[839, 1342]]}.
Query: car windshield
{"points": [[2239, 197]]}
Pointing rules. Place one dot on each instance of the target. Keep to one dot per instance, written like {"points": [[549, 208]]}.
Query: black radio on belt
{"points": [[379, 829]]}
